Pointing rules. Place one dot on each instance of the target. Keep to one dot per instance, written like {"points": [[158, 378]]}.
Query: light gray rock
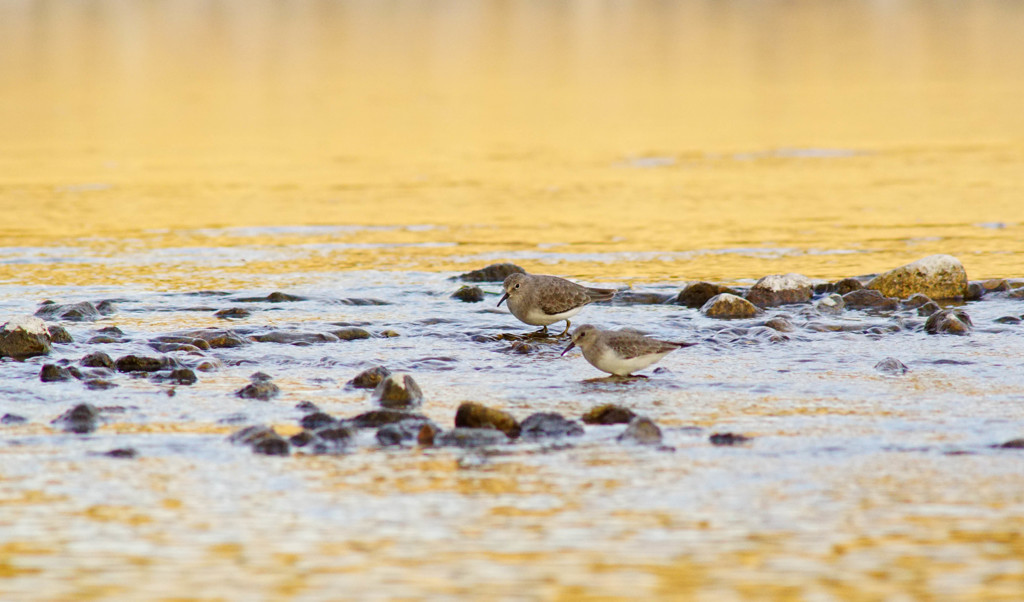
{"points": [[938, 276], [24, 337]]}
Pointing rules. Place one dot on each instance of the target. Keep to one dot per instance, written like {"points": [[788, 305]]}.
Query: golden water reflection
{"points": [[631, 141]]}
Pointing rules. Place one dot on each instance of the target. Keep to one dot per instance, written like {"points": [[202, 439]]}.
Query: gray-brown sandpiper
{"points": [[620, 352], [540, 300]]}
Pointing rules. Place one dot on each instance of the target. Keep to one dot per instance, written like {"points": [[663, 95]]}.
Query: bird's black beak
{"points": [[502, 300], [566, 350]]}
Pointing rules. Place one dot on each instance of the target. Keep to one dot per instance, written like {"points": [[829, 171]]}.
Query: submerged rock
{"points": [[640, 298], [262, 440], [475, 415], [232, 313], [24, 337], [351, 333], [80, 419], [938, 276], [376, 418], [406, 431], [295, 337], [780, 324], [726, 306], [275, 297], [696, 294], [916, 300], [544, 425], [260, 388], [469, 294], [1011, 444], [216, 338], [780, 289], [891, 365], [54, 373], [496, 272], [72, 312], [317, 420], [832, 304], [975, 291], [124, 453], [641, 430], [369, 379], [928, 309], [870, 299], [398, 391], [13, 419], [609, 413], [728, 439], [949, 321], [470, 437], [97, 359]]}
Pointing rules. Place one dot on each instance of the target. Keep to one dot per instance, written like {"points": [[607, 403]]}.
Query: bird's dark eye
{"points": [[517, 286]]}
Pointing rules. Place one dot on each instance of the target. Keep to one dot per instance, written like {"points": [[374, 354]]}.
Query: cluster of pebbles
{"points": [[911, 297]]}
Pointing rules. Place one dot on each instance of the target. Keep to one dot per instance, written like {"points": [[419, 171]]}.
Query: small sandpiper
{"points": [[620, 352], [541, 300]]}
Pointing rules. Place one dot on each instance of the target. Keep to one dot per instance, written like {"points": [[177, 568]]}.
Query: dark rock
{"points": [[53, 373], [1007, 320], [470, 437], [398, 391], [780, 324], [728, 439], [302, 439], [916, 300], [97, 359], [218, 339], [428, 434], [113, 331], [183, 376], [949, 321], [99, 384], [181, 340], [1017, 293], [370, 378], [406, 431], [13, 419], [104, 340], [387, 334], [521, 347], [469, 294], [496, 272], [260, 388], [232, 313], [138, 363], [780, 289], [609, 414], [543, 425], [938, 276], [351, 333], [126, 453], [891, 365], [832, 304], [172, 347], [59, 334], [79, 419], [24, 337], [975, 291], [333, 439], [296, 337], [847, 285], [1011, 444], [641, 430], [376, 418], [928, 309], [476, 415], [72, 312], [870, 299], [262, 440], [307, 406], [696, 294], [316, 420], [726, 306], [275, 297]]}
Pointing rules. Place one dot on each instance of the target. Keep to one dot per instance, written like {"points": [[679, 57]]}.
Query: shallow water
{"points": [[368, 150]]}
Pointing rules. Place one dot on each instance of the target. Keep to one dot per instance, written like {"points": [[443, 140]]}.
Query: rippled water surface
{"points": [[155, 152]]}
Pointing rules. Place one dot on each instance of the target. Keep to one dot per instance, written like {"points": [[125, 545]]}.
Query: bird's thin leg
{"points": [[566, 329]]}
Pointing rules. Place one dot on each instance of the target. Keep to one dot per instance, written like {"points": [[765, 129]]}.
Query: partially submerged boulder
{"points": [[780, 289], [949, 321], [696, 294], [24, 337], [476, 415], [398, 391], [496, 272], [726, 306], [937, 276]]}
